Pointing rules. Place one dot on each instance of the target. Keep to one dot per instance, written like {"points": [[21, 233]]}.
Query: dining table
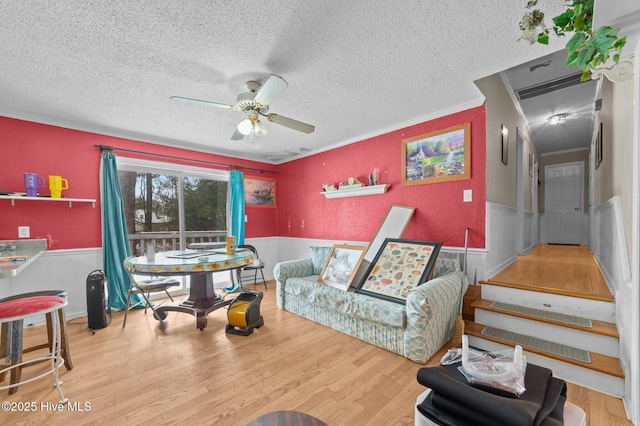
{"points": [[199, 266]]}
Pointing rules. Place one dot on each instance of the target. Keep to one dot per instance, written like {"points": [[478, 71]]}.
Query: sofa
{"points": [[416, 329]]}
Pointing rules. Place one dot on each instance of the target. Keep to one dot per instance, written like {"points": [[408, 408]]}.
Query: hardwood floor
{"points": [[561, 269], [147, 374]]}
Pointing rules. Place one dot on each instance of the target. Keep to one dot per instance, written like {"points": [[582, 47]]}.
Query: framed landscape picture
{"points": [[341, 266], [259, 192], [400, 266], [439, 156]]}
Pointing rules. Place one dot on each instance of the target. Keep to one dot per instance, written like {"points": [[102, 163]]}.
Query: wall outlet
{"points": [[24, 232], [467, 195]]}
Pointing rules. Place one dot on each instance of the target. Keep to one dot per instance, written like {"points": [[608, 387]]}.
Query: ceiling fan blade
{"points": [[291, 123], [198, 101], [273, 87], [237, 136]]}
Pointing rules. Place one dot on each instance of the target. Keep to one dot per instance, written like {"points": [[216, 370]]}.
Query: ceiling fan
{"points": [[255, 103]]}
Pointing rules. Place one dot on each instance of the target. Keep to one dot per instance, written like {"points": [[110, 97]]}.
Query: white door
{"points": [[563, 195]]}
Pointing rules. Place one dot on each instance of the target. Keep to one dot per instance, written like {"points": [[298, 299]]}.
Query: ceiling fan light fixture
{"points": [[260, 129], [557, 119], [245, 127]]}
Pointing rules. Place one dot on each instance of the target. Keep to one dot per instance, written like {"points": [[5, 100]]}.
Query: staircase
{"points": [[572, 334]]}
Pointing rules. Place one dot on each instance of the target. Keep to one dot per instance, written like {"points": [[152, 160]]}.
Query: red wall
{"points": [[440, 214], [301, 211], [28, 147]]}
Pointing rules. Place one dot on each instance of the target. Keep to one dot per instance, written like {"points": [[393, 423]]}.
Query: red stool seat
{"points": [[29, 306], [13, 311], [63, 330]]}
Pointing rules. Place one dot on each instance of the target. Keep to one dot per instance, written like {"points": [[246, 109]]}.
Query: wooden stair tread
{"points": [[551, 290], [598, 327], [600, 363]]}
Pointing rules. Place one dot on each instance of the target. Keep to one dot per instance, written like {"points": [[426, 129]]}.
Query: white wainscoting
{"points": [[501, 238], [610, 249], [609, 244], [527, 233], [584, 229], [536, 229], [58, 270], [298, 248], [68, 269]]}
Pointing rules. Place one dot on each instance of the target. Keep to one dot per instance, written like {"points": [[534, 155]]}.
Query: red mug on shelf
{"points": [[32, 182], [56, 185]]}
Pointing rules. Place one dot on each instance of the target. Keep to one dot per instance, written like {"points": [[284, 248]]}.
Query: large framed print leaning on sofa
{"points": [[399, 266]]}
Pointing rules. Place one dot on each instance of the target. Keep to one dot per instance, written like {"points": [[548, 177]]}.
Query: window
{"points": [[172, 206]]}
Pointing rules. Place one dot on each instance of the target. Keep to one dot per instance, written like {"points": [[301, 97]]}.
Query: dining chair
{"points": [[249, 272], [144, 288]]}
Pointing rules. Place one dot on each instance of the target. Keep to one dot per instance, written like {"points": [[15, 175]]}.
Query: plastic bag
{"points": [[500, 372]]}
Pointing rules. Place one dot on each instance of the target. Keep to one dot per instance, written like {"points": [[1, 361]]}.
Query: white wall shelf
{"points": [[13, 199], [356, 192]]}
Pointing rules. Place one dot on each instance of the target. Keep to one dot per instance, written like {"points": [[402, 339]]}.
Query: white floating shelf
{"points": [[356, 192], [13, 199]]}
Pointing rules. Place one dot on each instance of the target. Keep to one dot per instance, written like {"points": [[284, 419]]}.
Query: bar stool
{"points": [[15, 311], [15, 356]]}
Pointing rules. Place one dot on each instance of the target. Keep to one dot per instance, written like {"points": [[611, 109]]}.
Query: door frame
{"points": [[546, 196]]}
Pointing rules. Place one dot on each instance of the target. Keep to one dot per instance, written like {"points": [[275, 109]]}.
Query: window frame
{"points": [[181, 171]]}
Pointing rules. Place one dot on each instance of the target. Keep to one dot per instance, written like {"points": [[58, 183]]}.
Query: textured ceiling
{"points": [[354, 68]]}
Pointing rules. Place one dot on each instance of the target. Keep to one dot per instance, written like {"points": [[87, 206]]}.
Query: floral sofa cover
{"points": [[416, 330]]}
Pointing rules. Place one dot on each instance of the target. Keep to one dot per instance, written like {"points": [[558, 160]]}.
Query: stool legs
{"points": [[14, 345], [56, 358], [12, 350], [62, 320], [11, 345]]}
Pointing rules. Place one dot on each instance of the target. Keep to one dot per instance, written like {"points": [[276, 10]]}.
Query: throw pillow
{"points": [[319, 257]]}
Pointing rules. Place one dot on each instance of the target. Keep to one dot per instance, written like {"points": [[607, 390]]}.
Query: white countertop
{"points": [[31, 249]]}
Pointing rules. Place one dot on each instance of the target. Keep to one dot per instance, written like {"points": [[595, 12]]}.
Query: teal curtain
{"points": [[236, 215], [115, 244], [236, 205]]}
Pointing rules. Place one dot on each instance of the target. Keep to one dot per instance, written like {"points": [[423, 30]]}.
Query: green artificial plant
{"points": [[587, 49]]}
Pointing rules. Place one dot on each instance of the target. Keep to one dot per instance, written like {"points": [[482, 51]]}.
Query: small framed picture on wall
{"points": [[259, 192]]}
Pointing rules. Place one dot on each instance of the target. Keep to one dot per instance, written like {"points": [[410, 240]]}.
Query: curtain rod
{"points": [[231, 166]]}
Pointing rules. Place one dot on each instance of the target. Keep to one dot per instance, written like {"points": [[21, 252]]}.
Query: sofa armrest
{"points": [[290, 269], [293, 268], [431, 312]]}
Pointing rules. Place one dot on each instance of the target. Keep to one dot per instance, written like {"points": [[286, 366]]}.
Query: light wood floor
{"points": [[145, 374], [569, 270]]}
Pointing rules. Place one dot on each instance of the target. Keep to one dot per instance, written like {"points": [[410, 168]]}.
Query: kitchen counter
{"points": [[30, 250]]}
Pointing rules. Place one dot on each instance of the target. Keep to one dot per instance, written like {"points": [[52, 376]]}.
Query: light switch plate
{"points": [[467, 195], [24, 232]]}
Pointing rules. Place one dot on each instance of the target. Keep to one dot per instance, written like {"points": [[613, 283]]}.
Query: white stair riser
{"points": [[586, 308], [569, 372], [580, 339]]}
